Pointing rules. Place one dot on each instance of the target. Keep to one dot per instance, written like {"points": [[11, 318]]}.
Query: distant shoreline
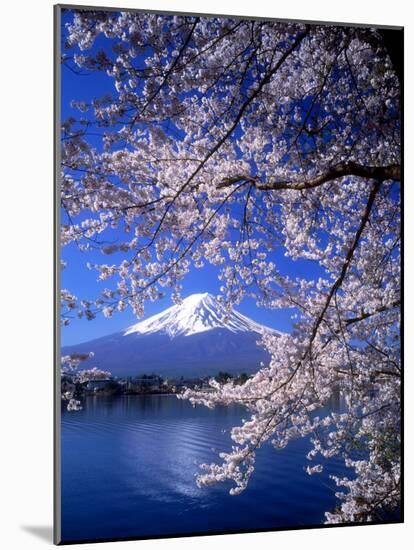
{"points": [[152, 384]]}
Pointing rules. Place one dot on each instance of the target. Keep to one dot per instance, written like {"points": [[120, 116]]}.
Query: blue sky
{"points": [[83, 282]]}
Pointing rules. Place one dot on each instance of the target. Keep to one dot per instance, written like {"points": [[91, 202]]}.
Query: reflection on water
{"points": [[129, 463]]}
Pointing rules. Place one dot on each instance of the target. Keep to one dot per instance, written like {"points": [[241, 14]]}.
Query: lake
{"points": [[129, 465]]}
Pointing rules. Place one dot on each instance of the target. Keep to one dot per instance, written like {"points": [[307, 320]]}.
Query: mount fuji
{"points": [[193, 339]]}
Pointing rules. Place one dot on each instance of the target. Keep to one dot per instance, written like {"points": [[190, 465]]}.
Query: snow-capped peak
{"points": [[197, 313]]}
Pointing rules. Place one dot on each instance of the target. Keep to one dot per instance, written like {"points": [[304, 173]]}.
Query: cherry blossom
{"points": [[69, 367], [228, 142]]}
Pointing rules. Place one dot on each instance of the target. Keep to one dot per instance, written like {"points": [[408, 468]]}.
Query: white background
{"points": [[26, 295]]}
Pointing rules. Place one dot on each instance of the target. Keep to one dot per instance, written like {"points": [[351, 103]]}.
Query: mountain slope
{"points": [[197, 313], [192, 339]]}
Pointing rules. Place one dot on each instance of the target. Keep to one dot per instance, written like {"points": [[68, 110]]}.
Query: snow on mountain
{"points": [[192, 339], [197, 313]]}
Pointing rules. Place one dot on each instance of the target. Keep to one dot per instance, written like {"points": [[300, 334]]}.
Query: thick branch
{"points": [[366, 315], [379, 173]]}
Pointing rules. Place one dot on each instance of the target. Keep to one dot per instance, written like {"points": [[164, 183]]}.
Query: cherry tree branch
{"points": [[379, 173]]}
